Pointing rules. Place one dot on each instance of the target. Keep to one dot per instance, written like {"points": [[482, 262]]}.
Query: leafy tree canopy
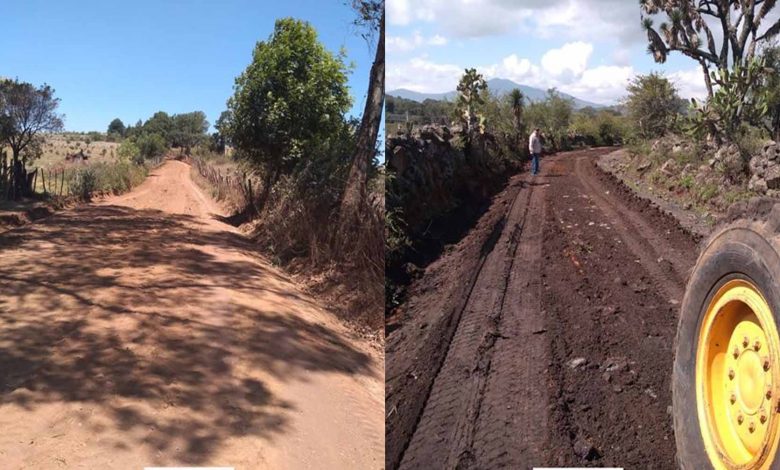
{"points": [[653, 104], [289, 100], [116, 127]]}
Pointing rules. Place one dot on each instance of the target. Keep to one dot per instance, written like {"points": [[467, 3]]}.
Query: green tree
{"points": [[161, 124], [289, 102], [517, 103], [26, 113], [151, 145], [653, 105], [553, 116], [188, 130], [116, 127], [472, 94], [685, 29], [128, 150]]}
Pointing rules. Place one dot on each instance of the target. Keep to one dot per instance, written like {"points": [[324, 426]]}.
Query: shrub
{"points": [[115, 178], [129, 151], [84, 183], [151, 145]]}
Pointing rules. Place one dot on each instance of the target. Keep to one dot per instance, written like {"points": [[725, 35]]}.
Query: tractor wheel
{"points": [[726, 377]]}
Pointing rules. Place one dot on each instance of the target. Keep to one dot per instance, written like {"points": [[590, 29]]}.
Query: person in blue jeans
{"points": [[535, 147]]}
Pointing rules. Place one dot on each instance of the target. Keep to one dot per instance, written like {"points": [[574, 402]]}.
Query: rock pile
{"points": [[434, 172], [765, 169]]}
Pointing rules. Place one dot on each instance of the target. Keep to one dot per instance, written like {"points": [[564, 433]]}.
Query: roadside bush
{"points": [[84, 183], [119, 177], [653, 105], [115, 178], [129, 151], [151, 146]]}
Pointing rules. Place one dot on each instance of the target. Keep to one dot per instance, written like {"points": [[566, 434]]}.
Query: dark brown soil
{"points": [[545, 336]]}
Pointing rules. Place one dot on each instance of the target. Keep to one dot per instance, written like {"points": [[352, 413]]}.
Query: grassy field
{"points": [[58, 146], [101, 172]]}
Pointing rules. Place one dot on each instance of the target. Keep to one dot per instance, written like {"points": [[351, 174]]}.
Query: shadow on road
{"points": [[169, 326]]}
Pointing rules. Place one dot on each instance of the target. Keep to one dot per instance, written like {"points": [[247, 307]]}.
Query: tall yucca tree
{"points": [[517, 102], [686, 30]]}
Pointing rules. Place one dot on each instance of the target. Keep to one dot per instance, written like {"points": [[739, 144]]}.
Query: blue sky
{"points": [[588, 48], [130, 59]]}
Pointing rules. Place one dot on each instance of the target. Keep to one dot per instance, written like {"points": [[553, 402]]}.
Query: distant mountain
{"points": [[497, 86]]}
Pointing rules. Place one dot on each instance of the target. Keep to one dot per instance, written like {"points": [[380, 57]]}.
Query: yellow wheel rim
{"points": [[737, 378]]}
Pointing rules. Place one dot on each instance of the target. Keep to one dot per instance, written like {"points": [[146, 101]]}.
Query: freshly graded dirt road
{"points": [[544, 337], [142, 331]]}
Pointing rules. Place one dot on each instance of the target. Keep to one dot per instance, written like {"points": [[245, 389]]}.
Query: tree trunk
{"points": [[17, 175], [707, 79], [355, 193], [269, 179]]}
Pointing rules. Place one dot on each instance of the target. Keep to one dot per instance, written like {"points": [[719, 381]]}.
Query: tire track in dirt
{"points": [[451, 409], [615, 317], [668, 265], [575, 274], [436, 305], [515, 400]]}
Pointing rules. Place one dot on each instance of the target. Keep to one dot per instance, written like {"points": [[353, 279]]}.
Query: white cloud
{"points": [[398, 12], [605, 84], [437, 40], [689, 83], [570, 60], [409, 43], [610, 24], [514, 68], [621, 56], [581, 19], [420, 74]]}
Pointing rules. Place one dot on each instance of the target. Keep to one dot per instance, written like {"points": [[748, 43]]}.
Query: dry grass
{"points": [[56, 147]]}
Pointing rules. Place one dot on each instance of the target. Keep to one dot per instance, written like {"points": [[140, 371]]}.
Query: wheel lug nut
{"points": [[736, 352], [757, 345], [752, 426], [731, 374], [733, 399], [745, 342], [763, 417], [766, 363], [769, 394], [740, 419]]}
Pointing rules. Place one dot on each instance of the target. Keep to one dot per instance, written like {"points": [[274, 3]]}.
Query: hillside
{"points": [[498, 86]]}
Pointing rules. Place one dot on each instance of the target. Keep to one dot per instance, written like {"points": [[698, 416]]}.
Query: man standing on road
{"points": [[535, 147]]}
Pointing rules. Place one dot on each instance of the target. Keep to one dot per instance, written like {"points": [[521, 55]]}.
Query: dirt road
{"points": [[545, 336], [143, 331]]}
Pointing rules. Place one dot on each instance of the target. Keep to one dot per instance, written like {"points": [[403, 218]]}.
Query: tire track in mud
{"points": [[444, 433]]}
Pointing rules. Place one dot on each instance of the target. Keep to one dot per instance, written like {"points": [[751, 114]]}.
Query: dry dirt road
{"points": [[141, 331], [545, 336]]}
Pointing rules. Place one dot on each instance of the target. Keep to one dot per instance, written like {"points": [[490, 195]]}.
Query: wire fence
{"points": [[47, 182], [236, 186]]}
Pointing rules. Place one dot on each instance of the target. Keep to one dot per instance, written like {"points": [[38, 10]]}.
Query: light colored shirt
{"points": [[534, 143]]}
